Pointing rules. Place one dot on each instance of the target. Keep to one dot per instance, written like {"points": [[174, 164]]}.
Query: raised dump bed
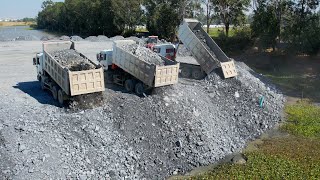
{"points": [[147, 72], [207, 53]]}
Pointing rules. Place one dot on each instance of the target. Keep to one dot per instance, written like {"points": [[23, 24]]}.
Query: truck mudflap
{"points": [[166, 75], [84, 82], [229, 69]]}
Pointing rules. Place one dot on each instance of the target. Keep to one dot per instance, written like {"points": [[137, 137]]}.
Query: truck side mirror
{"points": [[98, 57], [34, 61]]}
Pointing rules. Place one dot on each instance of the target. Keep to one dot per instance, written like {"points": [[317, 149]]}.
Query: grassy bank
{"points": [[291, 156], [277, 158], [16, 23]]}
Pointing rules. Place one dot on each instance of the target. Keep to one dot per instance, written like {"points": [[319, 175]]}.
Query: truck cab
{"points": [[38, 62], [105, 58], [166, 50], [152, 41]]}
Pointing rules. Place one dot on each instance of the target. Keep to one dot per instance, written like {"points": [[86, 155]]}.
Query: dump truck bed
{"points": [[207, 53], [150, 74], [72, 82]]}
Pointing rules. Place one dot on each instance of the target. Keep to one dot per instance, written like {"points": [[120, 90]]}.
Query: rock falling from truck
{"points": [[144, 54], [72, 60]]}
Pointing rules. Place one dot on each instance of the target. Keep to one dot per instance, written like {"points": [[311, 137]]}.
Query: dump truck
{"points": [[205, 51], [66, 82], [136, 75]]}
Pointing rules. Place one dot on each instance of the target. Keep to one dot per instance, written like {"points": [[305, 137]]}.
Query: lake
{"points": [[18, 33]]}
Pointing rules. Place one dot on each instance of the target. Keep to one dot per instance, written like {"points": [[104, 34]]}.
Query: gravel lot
{"points": [[172, 131]]}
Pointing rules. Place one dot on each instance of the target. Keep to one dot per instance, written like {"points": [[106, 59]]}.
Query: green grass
{"points": [[214, 32], [303, 119], [280, 158], [295, 156]]}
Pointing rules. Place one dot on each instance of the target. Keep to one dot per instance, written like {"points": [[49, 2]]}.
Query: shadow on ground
{"points": [[33, 89]]}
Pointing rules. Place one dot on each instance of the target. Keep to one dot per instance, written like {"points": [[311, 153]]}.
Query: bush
{"points": [[303, 36], [238, 42]]}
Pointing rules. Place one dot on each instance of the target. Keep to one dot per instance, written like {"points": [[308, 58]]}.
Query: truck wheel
{"points": [[128, 84], [55, 92], [185, 72], [42, 83], [60, 97], [139, 89], [197, 74]]}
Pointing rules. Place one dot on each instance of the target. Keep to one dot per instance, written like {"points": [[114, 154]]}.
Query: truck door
{"points": [[170, 53]]}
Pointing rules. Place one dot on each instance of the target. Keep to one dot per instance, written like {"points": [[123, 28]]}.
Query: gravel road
{"points": [[172, 131]]}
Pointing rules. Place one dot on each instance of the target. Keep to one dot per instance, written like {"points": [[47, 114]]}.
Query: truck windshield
{"points": [[153, 40]]}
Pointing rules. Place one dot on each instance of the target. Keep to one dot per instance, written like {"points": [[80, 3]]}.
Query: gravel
{"points": [[172, 131], [144, 54], [92, 38], [72, 60], [76, 38], [115, 38], [65, 38]]}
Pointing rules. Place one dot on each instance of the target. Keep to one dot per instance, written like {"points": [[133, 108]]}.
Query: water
{"points": [[22, 33]]}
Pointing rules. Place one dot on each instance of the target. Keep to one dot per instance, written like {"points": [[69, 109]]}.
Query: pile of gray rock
{"points": [[72, 60], [144, 54]]}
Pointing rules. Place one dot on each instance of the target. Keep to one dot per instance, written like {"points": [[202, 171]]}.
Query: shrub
{"points": [[238, 42]]}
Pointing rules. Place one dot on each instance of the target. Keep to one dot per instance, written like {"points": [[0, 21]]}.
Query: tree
{"points": [[163, 17], [128, 14], [265, 25], [209, 12], [231, 11], [190, 8], [302, 25], [47, 3]]}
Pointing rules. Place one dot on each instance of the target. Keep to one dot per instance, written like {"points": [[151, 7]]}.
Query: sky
{"points": [[18, 9]]}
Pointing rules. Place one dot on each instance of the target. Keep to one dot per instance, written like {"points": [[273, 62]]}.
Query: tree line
{"points": [[113, 17], [296, 22]]}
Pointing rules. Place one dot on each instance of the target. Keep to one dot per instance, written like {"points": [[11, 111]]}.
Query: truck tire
{"points": [[197, 74], [129, 85], [60, 97], [185, 72], [55, 92], [42, 84], [139, 89]]}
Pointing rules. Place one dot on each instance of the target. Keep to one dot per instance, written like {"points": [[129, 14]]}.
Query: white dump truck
{"points": [[63, 81], [130, 71], [205, 51]]}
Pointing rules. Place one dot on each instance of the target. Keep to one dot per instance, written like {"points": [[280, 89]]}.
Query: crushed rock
{"points": [[115, 38], [194, 123], [65, 38], [76, 38], [144, 54], [102, 38], [72, 60], [92, 39], [174, 130]]}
